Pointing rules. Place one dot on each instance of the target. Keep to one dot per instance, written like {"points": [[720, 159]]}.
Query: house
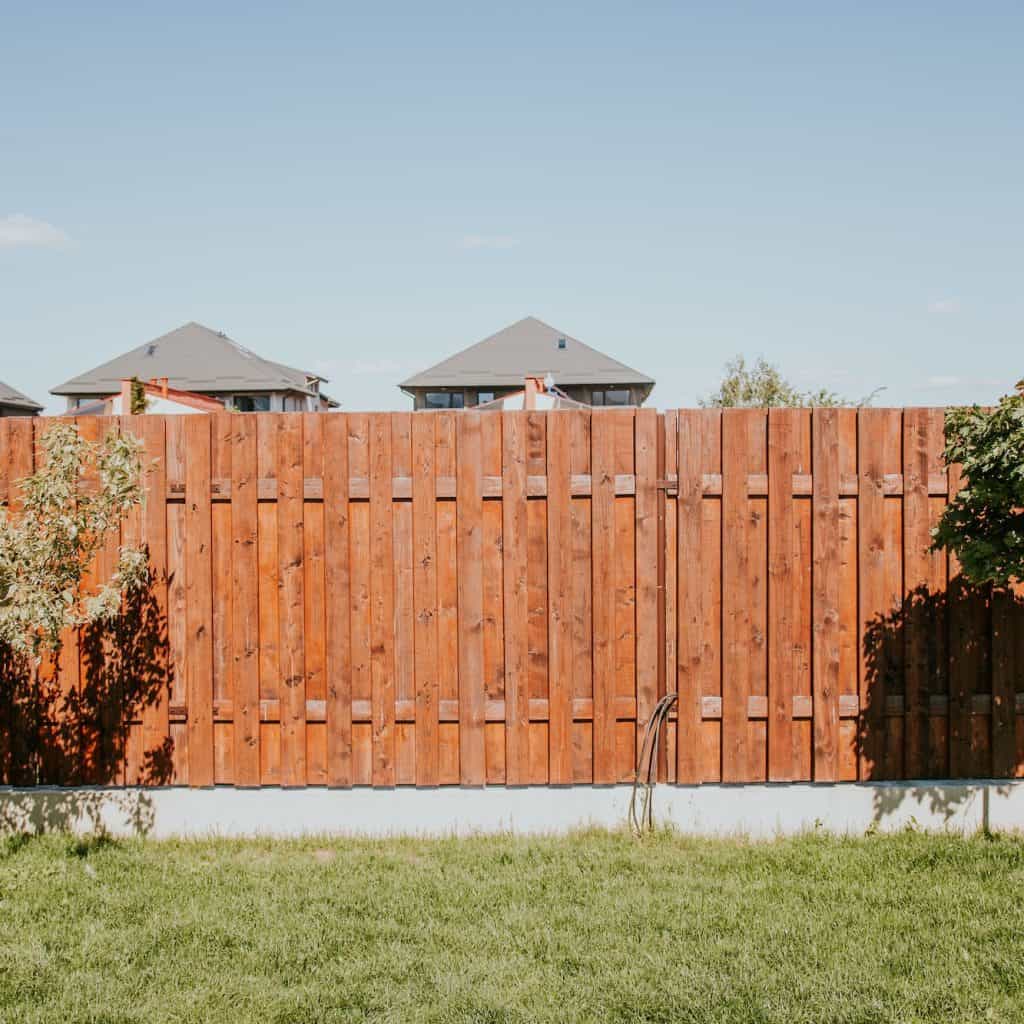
{"points": [[14, 403], [498, 365], [196, 359]]}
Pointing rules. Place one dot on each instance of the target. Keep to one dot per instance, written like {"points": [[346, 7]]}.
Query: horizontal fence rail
{"points": [[467, 598]]}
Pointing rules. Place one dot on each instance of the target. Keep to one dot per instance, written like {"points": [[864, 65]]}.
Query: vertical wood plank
{"points": [[425, 569], [825, 679], [290, 553], [582, 613], [736, 597], [156, 736], [514, 533], [783, 639], [879, 438], [199, 601], [404, 622], [470, 555], [245, 613], [560, 686], [604, 566], [359, 547], [339, 597], [269, 601], [648, 582], [313, 597], [223, 646], [447, 597], [382, 601], [917, 622], [690, 641]]}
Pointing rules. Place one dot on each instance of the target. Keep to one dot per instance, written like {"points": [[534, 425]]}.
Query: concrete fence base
{"points": [[758, 811]]}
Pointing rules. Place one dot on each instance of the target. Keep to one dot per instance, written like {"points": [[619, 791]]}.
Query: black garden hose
{"points": [[641, 812]]}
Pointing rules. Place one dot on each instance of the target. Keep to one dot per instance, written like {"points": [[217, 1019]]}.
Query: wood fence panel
{"points": [[444, 598]]}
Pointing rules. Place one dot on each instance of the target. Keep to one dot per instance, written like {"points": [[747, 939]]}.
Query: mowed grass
{"points": [[594, 927]]}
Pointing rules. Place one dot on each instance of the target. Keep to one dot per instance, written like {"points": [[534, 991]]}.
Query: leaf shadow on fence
{"points": [[926, 663], [65, 728]]}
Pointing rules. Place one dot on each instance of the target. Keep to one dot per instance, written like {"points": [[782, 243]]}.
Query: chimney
{"points": [[534, 386], [126, 396]]}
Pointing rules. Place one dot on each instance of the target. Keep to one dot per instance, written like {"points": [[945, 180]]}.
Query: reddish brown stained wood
{"points": [[338, 593], [425, 569], [690, 600], [382, 601], [514, 532], [825, 679], [447, 598], [560, 683], [582, 614], [470, 555], [156, 766], [245, 625], [879, 437], [290, 553], [494, 627], [736, 596], [648, 635], [604, 565], [199, 602], [784, 427]]}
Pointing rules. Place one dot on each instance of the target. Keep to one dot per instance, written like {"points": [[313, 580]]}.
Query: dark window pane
{"points": [[456, 400], [616, 396], [438, 400], [597, 398], [252, 403]]}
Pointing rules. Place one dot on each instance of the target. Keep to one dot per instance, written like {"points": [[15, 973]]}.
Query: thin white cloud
{"points": [[488, 242], [944, 306], [18, 230], [942, 381]]}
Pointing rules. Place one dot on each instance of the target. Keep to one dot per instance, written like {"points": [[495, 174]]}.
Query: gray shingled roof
{"points": [[15, 399], [192, 358], [529, 348]]}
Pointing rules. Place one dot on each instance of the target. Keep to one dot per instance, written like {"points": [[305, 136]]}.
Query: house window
{"points": [[484, 396], [443, 400], [597, 398], [617, 396], [252, 403]]}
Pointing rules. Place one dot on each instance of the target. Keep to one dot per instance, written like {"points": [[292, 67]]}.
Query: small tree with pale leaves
{"points": [[49, 539], [760, 385]]}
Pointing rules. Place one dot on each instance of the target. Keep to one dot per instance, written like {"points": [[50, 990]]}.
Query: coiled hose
{"points": [[641, 803]]}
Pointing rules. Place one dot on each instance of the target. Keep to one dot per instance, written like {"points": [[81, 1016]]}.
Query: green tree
{"points": [[762, 386], [49, 540], [984, 524]]}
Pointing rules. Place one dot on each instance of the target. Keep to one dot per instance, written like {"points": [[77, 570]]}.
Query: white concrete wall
{"points": [[761, 811]]}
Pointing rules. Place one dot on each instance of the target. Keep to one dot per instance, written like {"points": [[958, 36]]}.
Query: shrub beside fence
{"points": [[470, 598]]}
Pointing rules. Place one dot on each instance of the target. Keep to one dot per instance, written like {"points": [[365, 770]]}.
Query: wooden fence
{"points": [[476, 598]]}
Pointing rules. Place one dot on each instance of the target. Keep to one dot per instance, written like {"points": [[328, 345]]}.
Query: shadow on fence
{"points": [[55, 732], [930, 710]]}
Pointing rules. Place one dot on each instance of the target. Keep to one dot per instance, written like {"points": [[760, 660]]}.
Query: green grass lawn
{"points": [[597, 927]]}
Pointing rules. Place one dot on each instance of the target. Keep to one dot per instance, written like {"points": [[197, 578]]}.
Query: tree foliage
{"points": [[984, 524], [49, 540], [761, 386]]}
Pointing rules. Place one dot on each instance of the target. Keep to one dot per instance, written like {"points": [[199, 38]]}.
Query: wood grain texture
{"points": [[470, 585], [825, 456], [514, 554], [338, 602]]}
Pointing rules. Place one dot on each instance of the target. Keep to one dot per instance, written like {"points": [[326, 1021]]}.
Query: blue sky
{"points": [[362, 189]]}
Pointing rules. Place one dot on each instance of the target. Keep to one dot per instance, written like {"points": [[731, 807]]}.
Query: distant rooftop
{"points": [[192, 358], [13, 398], [528, 348]]}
